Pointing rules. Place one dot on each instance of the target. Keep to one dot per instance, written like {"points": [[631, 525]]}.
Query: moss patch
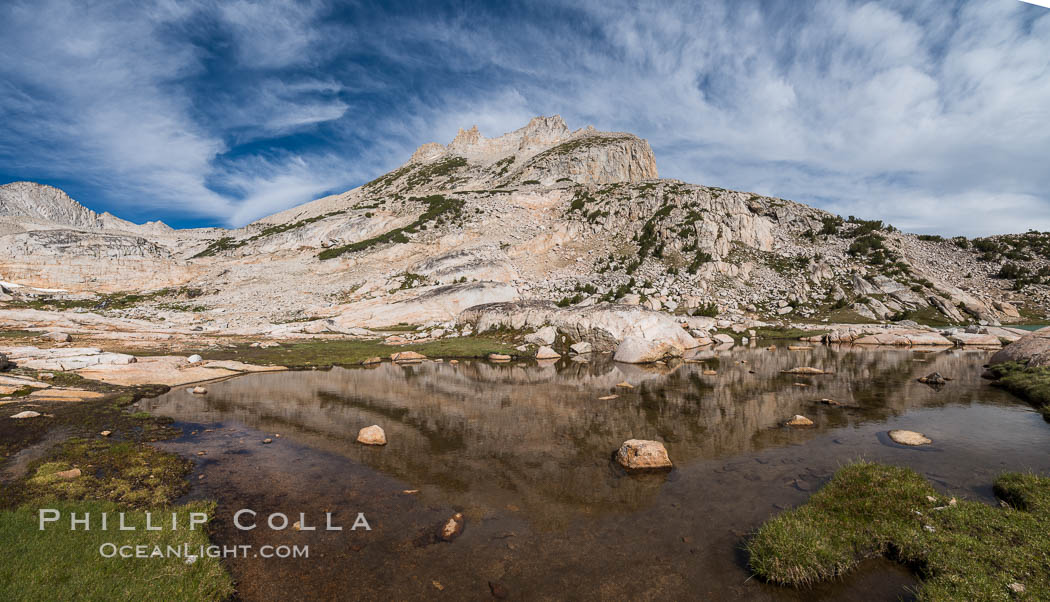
{"points": [[966, 551], [82, 421], [134, 474]]}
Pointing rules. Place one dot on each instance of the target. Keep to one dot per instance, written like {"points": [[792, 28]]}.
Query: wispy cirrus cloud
{"points": [[931, 115]]}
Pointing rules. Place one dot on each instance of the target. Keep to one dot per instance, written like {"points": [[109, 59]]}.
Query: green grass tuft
{"points": [[1032, 384], [966, 551]]}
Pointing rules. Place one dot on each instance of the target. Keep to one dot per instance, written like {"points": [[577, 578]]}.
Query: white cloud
{"points": [[929, 116], [272, 33]]}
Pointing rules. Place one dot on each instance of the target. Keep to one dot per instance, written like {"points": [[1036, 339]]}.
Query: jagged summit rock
{"points": [[546, 151], [539, 134]]}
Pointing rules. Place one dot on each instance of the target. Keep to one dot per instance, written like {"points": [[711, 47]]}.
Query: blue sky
{"points": [[933, 115]]}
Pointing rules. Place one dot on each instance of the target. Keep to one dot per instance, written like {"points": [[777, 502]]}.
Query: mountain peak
{"points": [[466, 139], [539, 134], [37, 202], [542, 132]]}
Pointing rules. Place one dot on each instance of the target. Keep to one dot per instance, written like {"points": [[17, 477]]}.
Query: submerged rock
{"points": [[909, 437], [452, 528], [372, 435], [934, 379], [499, 591], [199, 390], [499, 357], [799, 420], [642, 454]]}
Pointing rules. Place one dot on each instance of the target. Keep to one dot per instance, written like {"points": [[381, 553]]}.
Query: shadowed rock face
{"points": [[539, 437], [74, 243], [1033, 349], [597, 159]]}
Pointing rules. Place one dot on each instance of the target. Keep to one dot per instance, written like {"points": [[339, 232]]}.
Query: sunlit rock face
{"points": [[540, 213]]}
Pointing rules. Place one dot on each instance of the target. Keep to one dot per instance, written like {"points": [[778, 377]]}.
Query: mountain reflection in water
{"points": [[538, 437]]}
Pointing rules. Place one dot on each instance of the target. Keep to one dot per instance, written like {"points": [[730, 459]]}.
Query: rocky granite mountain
{"points": [[47, 205], [541, 213]]}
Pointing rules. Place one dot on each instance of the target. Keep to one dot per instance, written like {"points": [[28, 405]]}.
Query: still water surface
{"points": [[523, 451]]}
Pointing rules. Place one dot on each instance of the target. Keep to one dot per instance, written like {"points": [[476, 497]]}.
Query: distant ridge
{"points": [[40, 202]]}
